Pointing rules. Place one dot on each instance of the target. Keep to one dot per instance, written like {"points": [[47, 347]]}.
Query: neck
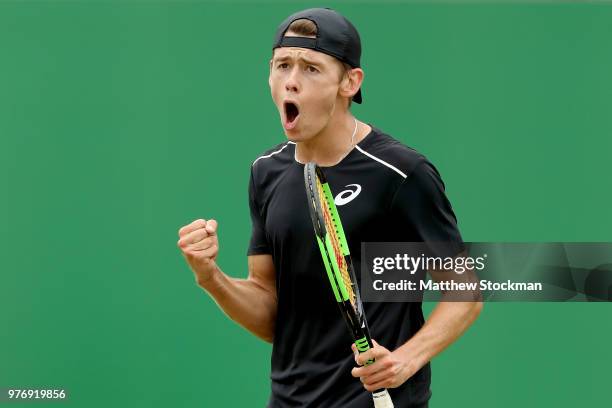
{"points": [[333, 143]]}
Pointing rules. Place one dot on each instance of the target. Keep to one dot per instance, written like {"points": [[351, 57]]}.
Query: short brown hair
{"points": [[303, 27]]}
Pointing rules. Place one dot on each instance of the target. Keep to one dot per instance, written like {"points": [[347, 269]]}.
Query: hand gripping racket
{"points": [[338, 265]]}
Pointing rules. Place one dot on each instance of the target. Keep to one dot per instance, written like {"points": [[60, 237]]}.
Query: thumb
{"points": [[355, 352], [211, 227]]}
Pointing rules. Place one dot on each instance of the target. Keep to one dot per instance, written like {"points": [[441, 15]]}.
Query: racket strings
{"points": [[335, 241]]}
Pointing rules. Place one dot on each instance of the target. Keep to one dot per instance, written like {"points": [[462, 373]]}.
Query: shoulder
{"points": [[392, 153], [276, 153], [272, 161]]}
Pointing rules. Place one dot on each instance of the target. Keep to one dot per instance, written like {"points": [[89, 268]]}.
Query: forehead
{"points": [[302, 53]]}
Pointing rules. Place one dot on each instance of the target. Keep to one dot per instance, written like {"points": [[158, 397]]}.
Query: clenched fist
{"points": [[199, 244]]}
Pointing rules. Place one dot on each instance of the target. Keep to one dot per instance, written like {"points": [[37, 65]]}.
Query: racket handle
{"points": [[382, 399]]}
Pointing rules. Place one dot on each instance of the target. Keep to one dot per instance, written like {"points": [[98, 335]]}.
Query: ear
{"points": [[351, 82]]}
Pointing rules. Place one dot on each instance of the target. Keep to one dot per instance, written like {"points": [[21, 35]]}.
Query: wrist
{"points": [[211, 280], [413, 356]]}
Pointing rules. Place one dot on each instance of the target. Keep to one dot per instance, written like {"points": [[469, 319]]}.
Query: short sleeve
{"points": [[422, 213], [258, 243]]}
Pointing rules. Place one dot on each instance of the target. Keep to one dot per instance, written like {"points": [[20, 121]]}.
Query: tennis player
{"points": [[385, 192]]}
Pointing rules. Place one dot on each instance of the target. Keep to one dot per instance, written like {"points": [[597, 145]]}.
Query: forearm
{"points": [[244, 301], [447, 322]]}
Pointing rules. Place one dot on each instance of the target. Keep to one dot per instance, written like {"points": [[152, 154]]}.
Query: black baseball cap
{"points": [[336, 36]]}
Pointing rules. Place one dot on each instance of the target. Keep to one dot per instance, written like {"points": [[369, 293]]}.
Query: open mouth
{"points": [[291, 114]]}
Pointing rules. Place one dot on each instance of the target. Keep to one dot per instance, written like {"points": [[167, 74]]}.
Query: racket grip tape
{"points": [[382, 399], [363, 345]]}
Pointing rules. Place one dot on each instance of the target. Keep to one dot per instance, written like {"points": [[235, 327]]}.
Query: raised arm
{"points": [[250, 302]]}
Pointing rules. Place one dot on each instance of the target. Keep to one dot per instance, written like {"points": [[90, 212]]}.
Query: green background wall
{"points": [[122, 121]]}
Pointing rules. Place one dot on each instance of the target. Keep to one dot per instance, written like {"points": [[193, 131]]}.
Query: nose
{"points": [[292, 84]]}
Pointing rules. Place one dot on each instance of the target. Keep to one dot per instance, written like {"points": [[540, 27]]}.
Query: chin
{"points": [[299, 134], [293, 136]]}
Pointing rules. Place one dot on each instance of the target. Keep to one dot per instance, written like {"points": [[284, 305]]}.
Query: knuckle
{"points": [[193, 237]]}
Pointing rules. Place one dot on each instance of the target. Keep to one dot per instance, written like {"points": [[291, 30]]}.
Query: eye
{"points": [[282, 65], [311, 68]]}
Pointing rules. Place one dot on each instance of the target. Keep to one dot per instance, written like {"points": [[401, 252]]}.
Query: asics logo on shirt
{"points": [[346, 196]]}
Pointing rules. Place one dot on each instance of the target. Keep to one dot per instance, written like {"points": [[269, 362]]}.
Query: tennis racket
{"points": [[338, 265]]}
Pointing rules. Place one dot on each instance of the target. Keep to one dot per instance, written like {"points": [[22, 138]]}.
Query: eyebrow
{"points": [[288, 58]]}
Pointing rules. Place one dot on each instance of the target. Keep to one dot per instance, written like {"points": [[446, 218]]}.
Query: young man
{"points": [[385, 192]]}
